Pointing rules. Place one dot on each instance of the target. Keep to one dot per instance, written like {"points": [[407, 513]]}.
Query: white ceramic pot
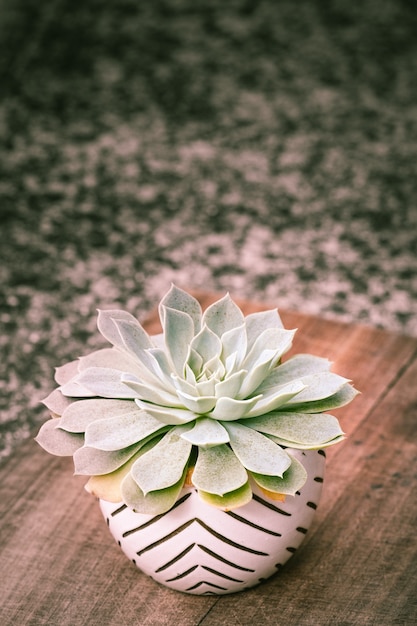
{"points": [[198, 549]]}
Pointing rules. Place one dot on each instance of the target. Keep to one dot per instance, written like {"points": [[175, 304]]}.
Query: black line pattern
{"points": [[223, 560], [202, 550], [249, 523], [206, 582], [269, 505], [157, 517], [209, 530], [183, 575], [118, 510], [176, 558], [221, 574]]}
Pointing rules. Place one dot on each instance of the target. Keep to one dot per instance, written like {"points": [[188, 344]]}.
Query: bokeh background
{"points": [[261, 147]]}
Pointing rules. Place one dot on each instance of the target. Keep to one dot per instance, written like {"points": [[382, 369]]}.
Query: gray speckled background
{"points": [[265, 148]]}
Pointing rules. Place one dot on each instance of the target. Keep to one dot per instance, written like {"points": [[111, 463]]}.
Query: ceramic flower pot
{"points": [[213, 403], [198, 549]]}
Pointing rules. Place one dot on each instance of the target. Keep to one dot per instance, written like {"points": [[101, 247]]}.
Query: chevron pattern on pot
{"points": [[198, 549]]}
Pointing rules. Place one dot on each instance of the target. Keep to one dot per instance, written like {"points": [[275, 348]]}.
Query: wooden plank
{"points": [[64, 568], [62, 565]]}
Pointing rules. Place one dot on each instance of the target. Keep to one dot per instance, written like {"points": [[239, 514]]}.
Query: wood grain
{"points": [[60, 566]]}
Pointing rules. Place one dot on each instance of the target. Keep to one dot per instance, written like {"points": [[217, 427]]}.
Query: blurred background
{"points": [[261, 147]]}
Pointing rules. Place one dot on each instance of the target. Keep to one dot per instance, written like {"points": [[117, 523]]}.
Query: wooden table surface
{"points": [[358, 564]]}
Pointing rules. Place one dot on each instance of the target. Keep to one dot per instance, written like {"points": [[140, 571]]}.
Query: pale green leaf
{"points": [[345, 395], [307, 429], [106, 323], [197, 404], [122, 430], [164, 464], [214, 368], [229, 387], [93, 462], [184, 386], [205, 387], [205, 433], [234, 341], [292, 480], [178, 332], [108, 486], [275, 398], [112, 358], [202, 388], [301, 446], [182, 301], [230, 363], [57, 441], [319, 386], [207, 344], [304, 365], [167, 415], [105, 382], [218, 470], [193, 364], [231, 409], [154, 503], [72, 389], [257, 373], [137, 344], [228, 501], [161, 366], [65, 373], [256, 452], [135, 339], [56, 402], [277, 339], [150, 393], [78, 415], [295, 368], [223, 315], [257, 322], [158, 341]]}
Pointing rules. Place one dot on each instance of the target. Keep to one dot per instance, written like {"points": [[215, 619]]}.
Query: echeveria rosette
{"points": [[209, 398]]}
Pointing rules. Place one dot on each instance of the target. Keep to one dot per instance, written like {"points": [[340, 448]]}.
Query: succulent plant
{"points": [[209, 402]]}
